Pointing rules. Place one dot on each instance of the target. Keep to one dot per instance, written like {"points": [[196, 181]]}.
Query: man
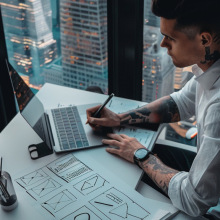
{"points": [[191, 30]]}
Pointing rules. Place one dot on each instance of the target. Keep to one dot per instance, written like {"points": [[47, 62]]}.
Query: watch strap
{"points": [[136, 161]]}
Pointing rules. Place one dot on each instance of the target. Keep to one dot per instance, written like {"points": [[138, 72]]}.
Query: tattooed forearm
{"points": [[139, 116], [163, 110], [158, 172], [169, 111]]}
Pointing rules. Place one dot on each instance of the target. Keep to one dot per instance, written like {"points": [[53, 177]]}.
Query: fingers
{"points": [[98, 121], [124, 136], [112, 150], [115, 136]]}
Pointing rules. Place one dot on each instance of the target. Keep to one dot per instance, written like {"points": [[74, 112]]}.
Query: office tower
{"points": [[84, 43], [149, 18], [30, 43], [158, 69], [181, 77], [53, 72]]}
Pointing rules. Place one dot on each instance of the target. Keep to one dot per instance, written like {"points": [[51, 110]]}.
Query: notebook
{"points": [[63, 129]]}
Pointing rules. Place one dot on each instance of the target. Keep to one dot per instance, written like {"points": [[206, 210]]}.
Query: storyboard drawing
{"points": [[60, 193], [68, 168], [84, 213], [116, 206], [59, 201], [44, 188], [142, 135], [32, 178], [90, 184]]}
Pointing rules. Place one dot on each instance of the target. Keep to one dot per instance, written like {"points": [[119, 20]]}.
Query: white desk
{"points": [[18, 135]]}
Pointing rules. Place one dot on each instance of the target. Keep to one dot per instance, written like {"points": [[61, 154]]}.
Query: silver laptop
{"points": [[62, 129]]}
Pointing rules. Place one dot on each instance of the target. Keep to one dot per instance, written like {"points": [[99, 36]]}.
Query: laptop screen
{"points": [[29, 105], [8, 106]]}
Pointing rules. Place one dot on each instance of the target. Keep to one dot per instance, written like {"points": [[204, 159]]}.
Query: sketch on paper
{"points": [[144, 136], [117, 205], [90, 184], [121, 106], [68, 189], [32, 178], [59, 201], [44, 188], [83, 213], [68, 168]]}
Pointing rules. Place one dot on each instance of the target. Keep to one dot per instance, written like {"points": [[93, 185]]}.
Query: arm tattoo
{"points": [[139, 116], [169, 111], [163, 111], [158, 172]]}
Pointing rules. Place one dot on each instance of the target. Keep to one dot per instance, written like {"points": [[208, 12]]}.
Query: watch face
{"points": [[141, 153]]}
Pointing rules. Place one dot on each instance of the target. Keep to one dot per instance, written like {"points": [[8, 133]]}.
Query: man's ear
{"points": [[206, 39]]}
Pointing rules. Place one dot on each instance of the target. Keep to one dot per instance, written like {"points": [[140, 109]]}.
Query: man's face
{"points": [[183, 50]]}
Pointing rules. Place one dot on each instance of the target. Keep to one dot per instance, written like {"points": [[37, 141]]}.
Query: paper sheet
{"points": [[74, 187]]}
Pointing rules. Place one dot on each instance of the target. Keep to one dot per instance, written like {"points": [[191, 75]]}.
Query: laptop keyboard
{"points": [[70, 131]]}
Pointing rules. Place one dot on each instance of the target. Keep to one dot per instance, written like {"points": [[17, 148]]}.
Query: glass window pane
{"points": [[160, 76], [61, 42]]}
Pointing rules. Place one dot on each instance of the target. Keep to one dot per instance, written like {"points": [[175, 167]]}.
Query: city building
{"points": [[181, 77], [158, 68], [53, 73], [149, 18], [84, 43], [29, 37]]}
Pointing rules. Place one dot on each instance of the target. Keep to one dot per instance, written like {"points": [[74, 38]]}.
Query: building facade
{"points": [[84, 43], [29, 37]]}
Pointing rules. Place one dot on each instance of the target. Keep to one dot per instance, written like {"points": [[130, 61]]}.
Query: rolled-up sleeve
{"points": [[185, 99]]}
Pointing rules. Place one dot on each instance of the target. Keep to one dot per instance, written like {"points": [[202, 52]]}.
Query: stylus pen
{"points": [[97, 113]]}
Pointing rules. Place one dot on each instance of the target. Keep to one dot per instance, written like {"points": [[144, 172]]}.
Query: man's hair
{"points": [[201, 14]]}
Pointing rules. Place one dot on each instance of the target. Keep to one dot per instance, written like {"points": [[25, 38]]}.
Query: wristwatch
{"points": [[141, 155]]}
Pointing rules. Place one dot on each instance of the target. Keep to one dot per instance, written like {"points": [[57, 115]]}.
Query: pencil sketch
{"points": [[120, 106], [59, 201], [68, 168], [90, 184], [142, 135], [82, 213], [32, 178], [44, 188], [116, 205]]}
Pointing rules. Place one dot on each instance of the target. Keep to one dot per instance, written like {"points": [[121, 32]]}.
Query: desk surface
{"points": [[18, 135]]}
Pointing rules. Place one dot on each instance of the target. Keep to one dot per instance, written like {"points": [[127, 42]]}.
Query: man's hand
{"points": [[107, 118], [125, 146]]}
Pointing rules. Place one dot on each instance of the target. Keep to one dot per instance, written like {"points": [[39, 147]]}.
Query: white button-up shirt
{"points": [[194, 192]]}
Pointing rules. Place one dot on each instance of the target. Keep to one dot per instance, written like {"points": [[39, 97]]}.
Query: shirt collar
{"points": [[209, 77]]}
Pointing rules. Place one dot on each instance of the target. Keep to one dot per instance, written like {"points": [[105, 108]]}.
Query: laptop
{"points": [[63, 129]]}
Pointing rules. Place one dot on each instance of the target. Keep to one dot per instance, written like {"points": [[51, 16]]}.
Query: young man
{"points": [[191, 30]]}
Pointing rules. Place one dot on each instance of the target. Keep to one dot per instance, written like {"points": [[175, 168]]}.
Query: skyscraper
{"points": [[84, 43], [28, 30], [158, 69]]}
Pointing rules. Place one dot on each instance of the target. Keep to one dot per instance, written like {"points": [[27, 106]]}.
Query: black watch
{"points": [[141, 155]]}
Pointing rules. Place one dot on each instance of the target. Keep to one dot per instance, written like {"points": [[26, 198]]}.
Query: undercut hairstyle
{"points": [[202, 15]]}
